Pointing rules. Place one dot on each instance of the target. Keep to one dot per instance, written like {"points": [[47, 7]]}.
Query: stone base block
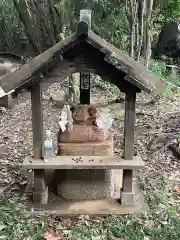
{"points": [[87, 149], [41, 197], [7, 101], [82, 133], [127, 198], [87, 184]]}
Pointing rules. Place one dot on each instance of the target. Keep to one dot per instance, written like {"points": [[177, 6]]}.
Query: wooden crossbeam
{"points": [[84, 162]]}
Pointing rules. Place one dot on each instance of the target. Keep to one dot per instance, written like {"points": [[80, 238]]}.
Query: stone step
{"points": [[84, 162]]}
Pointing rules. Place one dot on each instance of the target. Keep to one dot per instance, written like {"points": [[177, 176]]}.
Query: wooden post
{"points": [[127, 194], [40, 193], [85, 17], [84, 88]]}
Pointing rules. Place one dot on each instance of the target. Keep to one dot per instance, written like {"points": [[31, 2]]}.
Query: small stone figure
{"points": [[84, 114], [89, 136], [84, 126], [168, 44]]}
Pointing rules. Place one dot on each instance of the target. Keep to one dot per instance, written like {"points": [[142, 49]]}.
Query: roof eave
{"points": [[113, 56], [35, 65]]}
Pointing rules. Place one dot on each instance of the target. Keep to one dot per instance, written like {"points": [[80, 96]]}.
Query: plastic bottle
{"points": [[48, 147]]}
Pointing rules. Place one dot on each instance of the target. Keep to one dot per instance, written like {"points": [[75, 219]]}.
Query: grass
{"points": [[98, 83], [14, 224], [130, 227], [172, 89], [160, 222]]}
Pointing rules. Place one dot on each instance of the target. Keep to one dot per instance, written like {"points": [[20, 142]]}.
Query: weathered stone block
{"points": [[86, 184], [3, 150], [7, 101], [41, 196], [87, 149], [127, 198], [83, 114], [82, 133]]}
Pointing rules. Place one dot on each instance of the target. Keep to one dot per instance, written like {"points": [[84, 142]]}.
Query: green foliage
{"points": [[5, 8], [113, 25], [172, 89], [108, 19], [98, 83], [171, 8], [159, 68], [131, 227], [16, 225]]}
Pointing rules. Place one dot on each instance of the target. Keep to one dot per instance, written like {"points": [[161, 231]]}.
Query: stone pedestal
{"points": [[86, 184], [7, 101], [88, 149]]}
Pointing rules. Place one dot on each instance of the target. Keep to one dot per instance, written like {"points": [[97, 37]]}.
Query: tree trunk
{"points": [[147, 33], [44, 22], [71, 96], [141, 27], [26, 19], [133, 20], [137, 36], [54, 28]]}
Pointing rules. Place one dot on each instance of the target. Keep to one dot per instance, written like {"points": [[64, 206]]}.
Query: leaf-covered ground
{"points": [[159, 181]]}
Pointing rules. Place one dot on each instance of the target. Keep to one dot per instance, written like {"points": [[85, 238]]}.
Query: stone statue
{"points": [[168, 44], [84, 131], [84, 126]]}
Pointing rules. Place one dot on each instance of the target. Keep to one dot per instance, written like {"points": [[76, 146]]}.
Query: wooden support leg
{"points": [[40, 193], [127, 191]]}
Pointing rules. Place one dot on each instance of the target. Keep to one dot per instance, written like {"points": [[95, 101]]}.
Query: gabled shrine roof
{"points": [[133, 72]]}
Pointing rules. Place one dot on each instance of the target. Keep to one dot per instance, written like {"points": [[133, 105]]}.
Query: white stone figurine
{"points": [[104, 121], [66, 119]]}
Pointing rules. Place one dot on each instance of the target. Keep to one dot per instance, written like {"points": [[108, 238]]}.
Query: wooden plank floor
{"points": [[84, 162]]}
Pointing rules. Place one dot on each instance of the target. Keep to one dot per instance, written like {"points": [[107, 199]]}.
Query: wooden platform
{"points": [[84, 162], [102, 207]]}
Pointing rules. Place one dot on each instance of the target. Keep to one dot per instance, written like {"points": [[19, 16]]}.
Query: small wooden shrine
{"points": [[84, 52]]}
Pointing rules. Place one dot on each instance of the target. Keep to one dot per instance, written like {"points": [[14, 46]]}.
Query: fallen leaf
{"points": [[123, 238], [102, 237], [178, 214], [177, 189], [3, 150], [3, 237], [2, 227], [49, 236], [146, 238]]}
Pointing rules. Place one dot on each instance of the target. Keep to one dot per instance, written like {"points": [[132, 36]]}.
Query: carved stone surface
{"points": [[85, 139], [84, 126], [88, 148], [82, 133], [87, 184]]}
